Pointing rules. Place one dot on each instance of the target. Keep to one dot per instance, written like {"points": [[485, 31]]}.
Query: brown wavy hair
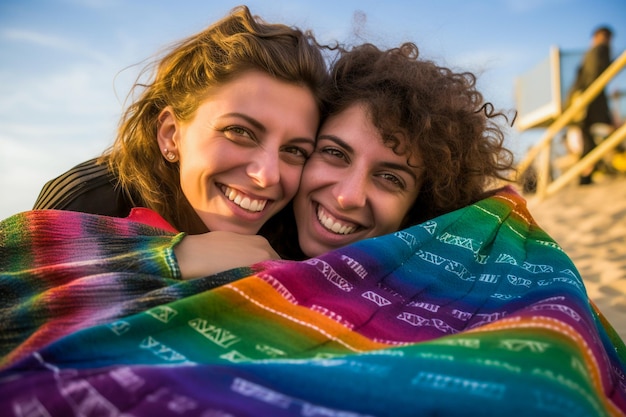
{"points": [[419, 106], [182, 78]]}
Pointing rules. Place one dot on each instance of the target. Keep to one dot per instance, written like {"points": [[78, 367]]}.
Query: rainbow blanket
{"points": [[477, 312]]}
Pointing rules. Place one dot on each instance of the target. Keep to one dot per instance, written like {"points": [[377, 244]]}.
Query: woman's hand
{"points": [[212, 252]]}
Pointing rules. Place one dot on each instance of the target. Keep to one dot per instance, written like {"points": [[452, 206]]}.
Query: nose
{"points": [[264, 168], [350, 191]]}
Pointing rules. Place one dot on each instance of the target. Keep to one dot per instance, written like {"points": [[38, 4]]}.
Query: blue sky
{"points": [[66, 65]]}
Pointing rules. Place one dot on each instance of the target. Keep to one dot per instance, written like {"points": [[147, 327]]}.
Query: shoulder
{"points": [[88, 187], [601, 51], [83, 173]]}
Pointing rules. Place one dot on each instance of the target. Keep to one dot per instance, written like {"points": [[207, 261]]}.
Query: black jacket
{"points": [[89, 188]]}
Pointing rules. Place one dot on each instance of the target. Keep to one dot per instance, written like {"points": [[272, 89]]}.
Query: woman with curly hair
{"points": [[405, 141]]}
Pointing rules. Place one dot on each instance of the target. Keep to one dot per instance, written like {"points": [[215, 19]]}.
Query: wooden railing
{"points": [[540, 153]]}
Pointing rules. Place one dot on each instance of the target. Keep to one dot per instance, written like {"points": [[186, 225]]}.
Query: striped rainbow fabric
{"points": [[477, 312]]}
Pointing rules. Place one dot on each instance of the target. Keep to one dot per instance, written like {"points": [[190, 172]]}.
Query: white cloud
{"points": [[77, 91], [55, 42], [25, 168], [48, 123]]}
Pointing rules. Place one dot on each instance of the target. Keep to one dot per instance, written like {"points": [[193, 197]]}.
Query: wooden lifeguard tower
{"points": [[540, 96]]}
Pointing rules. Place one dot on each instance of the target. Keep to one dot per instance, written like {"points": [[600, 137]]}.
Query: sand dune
{"points": [[590, 225]]}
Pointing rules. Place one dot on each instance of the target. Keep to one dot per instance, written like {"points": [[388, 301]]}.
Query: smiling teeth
{"points": [[332, 224], [242, 201]]}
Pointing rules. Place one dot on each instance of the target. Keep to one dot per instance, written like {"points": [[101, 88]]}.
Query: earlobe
{"points": [[166, 134]]}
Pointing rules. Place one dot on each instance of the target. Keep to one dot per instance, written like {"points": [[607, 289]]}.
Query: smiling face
{"points": [[241, 155], [353, 186]]}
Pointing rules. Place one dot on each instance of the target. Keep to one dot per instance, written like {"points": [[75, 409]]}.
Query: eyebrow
{"points": [[338, 141], [389, 165], [248, 119]]}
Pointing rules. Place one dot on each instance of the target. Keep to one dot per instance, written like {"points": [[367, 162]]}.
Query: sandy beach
{"points": [[589, 223]]}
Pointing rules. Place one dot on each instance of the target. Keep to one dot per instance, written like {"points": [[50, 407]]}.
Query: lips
{"points": [[242, 200], [333, 224]]}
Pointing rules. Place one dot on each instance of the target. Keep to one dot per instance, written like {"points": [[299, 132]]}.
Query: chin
{"points": [[239, 229], [313, 251]]}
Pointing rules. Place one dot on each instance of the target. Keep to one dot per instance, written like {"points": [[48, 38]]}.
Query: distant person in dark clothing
{"points": [[595, 61]]}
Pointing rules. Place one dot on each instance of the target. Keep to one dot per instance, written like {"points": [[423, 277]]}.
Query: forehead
{"points": [[354, 122], [354, 126], [270, 101]]}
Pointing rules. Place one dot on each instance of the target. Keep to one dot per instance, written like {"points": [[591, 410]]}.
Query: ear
{"points": [[167, 129]]}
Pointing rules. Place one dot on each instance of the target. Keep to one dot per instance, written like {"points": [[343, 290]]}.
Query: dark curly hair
{"points": [[421, 107]]}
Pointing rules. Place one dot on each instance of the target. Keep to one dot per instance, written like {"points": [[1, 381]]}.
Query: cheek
{"points": [[392, 214], [316, 174], [402, 217], [290, 178], [191, 184]]}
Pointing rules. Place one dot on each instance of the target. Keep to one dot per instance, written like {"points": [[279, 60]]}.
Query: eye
{"points": [[393, 180], [334, 152], [296, 154], [239, 134]]}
